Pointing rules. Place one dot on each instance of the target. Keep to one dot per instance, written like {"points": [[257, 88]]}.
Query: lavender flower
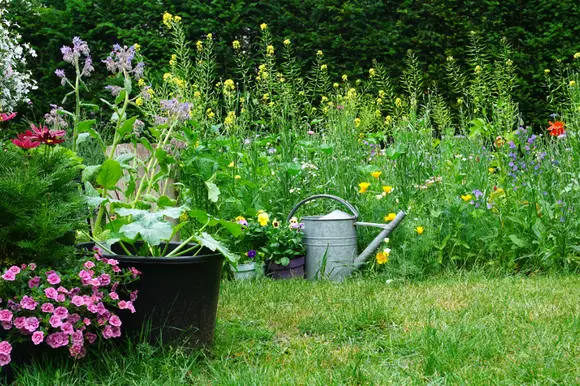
{"points": [[251, 254], [54, 119], [271, 150], [120, 61], [176, 109], [478, 193], [115, 90]]}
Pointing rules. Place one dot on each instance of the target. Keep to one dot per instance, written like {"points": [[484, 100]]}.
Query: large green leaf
{"points": [[109, 174], [151, 229], [206, 240]]}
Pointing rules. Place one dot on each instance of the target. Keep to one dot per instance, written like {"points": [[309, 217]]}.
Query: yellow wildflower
{"points": [[335, 85], [383, 256], [263, 26], [509, 62], [197, 94], [287, 42], [231, 165], [459, 101], [344, 78], [136, 46], [466, 197], [167, 77], [357, 122], [263, 218], [139, 101], [577, 55], [209, 36], [378, 113], [271, 104], [294, 220], [363, 187], [150, 91], [236, 44], [173, 60], [183, 217], [210, 114], [419, 230], [319, 53], [572, 83], [381, 93], [176, 19], [379, 101], [376, 174], [167, 18], [265, 97], [491, 170], [199, 45], [372, 72], [398, 102], [390, 217], [387, 189], [477, 69], [270, 50], [547, 71], [141, 82], [323, 67], [388, 119], [237, 177], [230, 119], [229, 84]]}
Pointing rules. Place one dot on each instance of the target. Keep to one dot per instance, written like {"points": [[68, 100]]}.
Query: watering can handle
{"points": [[345, 203]]}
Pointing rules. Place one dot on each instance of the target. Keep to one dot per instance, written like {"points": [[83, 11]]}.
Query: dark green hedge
{"points": [[351, 33]]}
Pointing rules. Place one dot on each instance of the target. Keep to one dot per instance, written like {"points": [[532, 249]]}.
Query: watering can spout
{"points": [[376, 243]]}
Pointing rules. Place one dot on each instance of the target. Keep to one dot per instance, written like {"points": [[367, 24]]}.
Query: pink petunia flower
{"points": [[7, 325], [28, 303], [89, 264], [34, 282], [6, 316], [73, 318], [133, 295], [9, 276], [14, 269], [47, 307], [105, 279], [78, 301], [19, 322], [61, 312], [32, 266], [5, 348], [31, 324], [53, 278], [114, 295], [67, 328], [55, 321], [51, 293], [37, 337], [115, 321], [60, 298], [58, 339], [86, 321], [5, 359], [90, 337]]}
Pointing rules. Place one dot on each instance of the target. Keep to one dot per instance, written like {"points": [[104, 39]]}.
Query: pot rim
{"points": [[200, 258]]}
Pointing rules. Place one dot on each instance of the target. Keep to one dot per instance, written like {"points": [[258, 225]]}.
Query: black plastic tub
{"points": [[178, 296]]}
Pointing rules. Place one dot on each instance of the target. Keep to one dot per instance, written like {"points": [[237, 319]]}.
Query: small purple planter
{"points": [[294, 269]]}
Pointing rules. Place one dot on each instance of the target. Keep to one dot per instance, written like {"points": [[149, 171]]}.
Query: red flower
{"points": [[7, 116], [24, 141], [556, 129], [46, 136]]}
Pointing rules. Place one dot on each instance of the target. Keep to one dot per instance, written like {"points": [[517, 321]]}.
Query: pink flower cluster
{"points": [[71, 315]]}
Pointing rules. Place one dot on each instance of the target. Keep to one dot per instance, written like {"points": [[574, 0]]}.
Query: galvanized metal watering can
{"points": [[331, 242]]}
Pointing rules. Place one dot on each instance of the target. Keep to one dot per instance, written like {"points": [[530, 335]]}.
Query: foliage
{"points": [[284, 242], [41, 205], [75, 315]]}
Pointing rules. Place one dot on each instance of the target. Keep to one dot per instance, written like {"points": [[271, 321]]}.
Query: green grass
{"points": [[459, 329]]}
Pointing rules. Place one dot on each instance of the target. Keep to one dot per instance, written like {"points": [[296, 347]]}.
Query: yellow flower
{"points": [[335, 85], [387, 189], [210, 114], [577, 55], [199, 45], [344, 78], [231, 165], [376, 174], [572, 83], [323, 67], [136, 46], [167, 18], [381, 93], [237, 177], [141, 82], [378, 113], [509, 62], [419, 230], [398, 102], [390, 217], [271, 104], [547, 71], [263, 26], [466, 197], [167, 77], [491, 170], [388, 119], [230, 119], [379, 101], [263, 218], [209, 36], [477, 69], [176, 18], [294, 220], [319, 53], [276, 223], [372, 72], [183, 217], [383, 256], [139, 101], [459, 101], [229, 84], [270, 50], [197, 94], [150, 91], [265, 97], [287, 42], [363, 187], [357, 122], [236, 44], [240, 218]]}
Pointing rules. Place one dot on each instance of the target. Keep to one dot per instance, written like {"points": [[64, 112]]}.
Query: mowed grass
{"points": [[459, 329]]}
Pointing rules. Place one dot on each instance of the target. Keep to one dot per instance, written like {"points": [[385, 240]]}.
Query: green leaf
{"points": [[206, 240], [109, 174], [127, 126], [83, 137], [165, 201], [234, 228], [517, 241], [85, 126], [151, 229], [121, 97], [90, 172]]}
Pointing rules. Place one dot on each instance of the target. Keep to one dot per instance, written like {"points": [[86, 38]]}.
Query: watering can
{"points": [[331, 242]]}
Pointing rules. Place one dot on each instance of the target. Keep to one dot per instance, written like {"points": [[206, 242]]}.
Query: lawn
{"points": [[454, 329]]}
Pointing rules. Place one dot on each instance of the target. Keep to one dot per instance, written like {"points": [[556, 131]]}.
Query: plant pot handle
{"points": [[335, 198]]}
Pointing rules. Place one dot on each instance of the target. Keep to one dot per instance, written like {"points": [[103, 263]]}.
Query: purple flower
{"points": [[58, 339], [34, 282], [19, 322], [489, 205], [176, 109], [67, 328], [5, 316], [271, 150], [115, 321], [512, 144], [61, 312], [115, 90], [55, 321], [478, 193], [28, 303], [251, 253], [77, 301], [9, 276]]}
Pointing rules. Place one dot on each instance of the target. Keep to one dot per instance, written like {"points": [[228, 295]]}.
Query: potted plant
{"points": [[284, 251], [246, 245], [133, 219], [72, 306]]}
